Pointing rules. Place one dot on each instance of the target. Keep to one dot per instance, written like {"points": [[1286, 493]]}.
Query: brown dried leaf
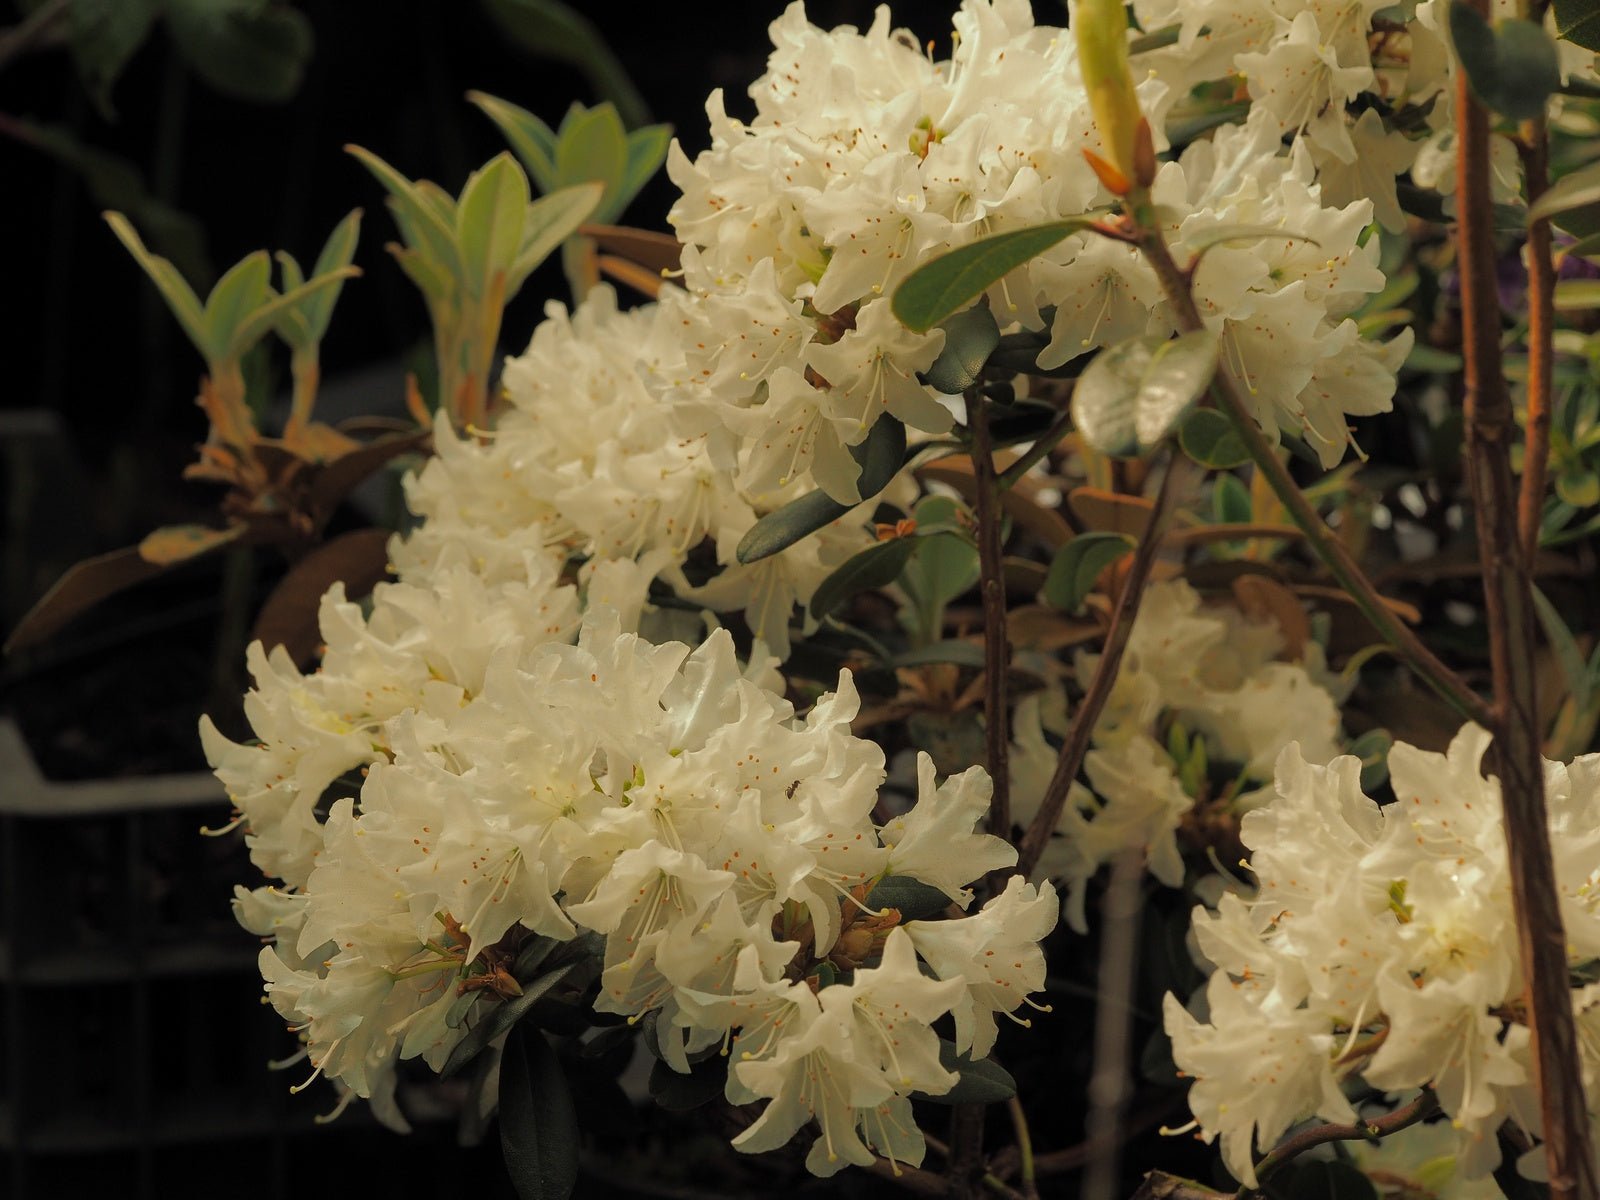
{"points": [[1266, 599], [1110, 512], [173, 544], [83, 586], [655, 252], [319, 443], [336, 480], [640, 279], [359, 560]]}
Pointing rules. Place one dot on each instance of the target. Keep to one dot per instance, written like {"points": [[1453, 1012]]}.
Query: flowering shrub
{"points": [[769, 665]]}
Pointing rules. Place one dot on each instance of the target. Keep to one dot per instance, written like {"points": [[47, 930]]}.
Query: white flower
{"points": [[935, 842]]}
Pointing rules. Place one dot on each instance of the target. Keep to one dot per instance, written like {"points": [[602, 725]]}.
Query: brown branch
{"points": [[913, 1179], [964, 1159], [1333, 552], [992, 587], [1535, 152], [1419, 1110], [1109, 1084], [1508, 608], [1181, 475]]}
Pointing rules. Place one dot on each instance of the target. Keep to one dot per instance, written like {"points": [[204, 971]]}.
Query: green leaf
{"points": [[1432, 361], [244, 48], [241, 290], [981, 1082], [1579, 487], [1512, 67], [1580, 683], [969, 338], [677, 1092], [1230, 501], [273, 311], [180, 297], [1578, 21], [105, 35], [1208, 437], [538, 1126], [550, 221], [944, 565], [647, 150], [1323, 1180], [531, 139], [593, 146], [1133, 394], [502, 1018], [337, 252], [490, 220], [1578, 189], [877, 566], [1577, 294], [554, 30], [938, 289], [425, 228], [880, 454], [913, 899], [1078, 564], [1372, 748]]}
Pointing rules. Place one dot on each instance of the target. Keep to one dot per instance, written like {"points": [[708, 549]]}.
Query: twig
{"points": [[19, 38], [913, 1179], [1508, 610], [1109, 1084], [1043, 444], [1333, 552], [1019, 1123], [996, 649], [1181, 475], [1419, 1110], [964, 1159], [1535, 152]]}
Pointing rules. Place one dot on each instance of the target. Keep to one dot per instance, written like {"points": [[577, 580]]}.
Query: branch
{"points": [[1535, 153], [1420, 1109], [996, 649], [1508, 609], [1109, 1084], [1333, 552], [1046, 442], [35, 27], [1181, 475]]}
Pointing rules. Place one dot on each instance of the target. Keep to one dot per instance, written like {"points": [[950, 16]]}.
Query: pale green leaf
{"points": [[241, 290], [530, 139], [180, 297], [1135, 393], [490, 221], [550, 220]]}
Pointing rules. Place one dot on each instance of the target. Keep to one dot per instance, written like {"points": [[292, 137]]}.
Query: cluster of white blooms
{"points": [[513, 785], [1218, 675], [1381, 942]]}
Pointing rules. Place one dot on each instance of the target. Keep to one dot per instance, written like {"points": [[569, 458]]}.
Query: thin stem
{"points": [[1535, 149], [20, 38], [1508, 611], [1019, 1123], [964, 1157], [1046, 442], [996, 648], [1327, 545], [912, 1179], [1419, 1110], [1181, 475], [1109, 1085]]}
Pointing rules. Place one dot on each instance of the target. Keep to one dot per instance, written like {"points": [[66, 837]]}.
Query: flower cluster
{"points": [[1197, 686], [1381, 943]]}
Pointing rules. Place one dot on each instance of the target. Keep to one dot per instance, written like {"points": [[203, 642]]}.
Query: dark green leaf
{"points": [[1230, 501], [1578, 21], [877, 566], [981, 1082], [538, 1127], [554, 30], [913, 899], [969, 338], [243, 48], [1319, 1179], [880, 456], [105, 35], [1512, 67], [1580, 683], [680, 1093], [1372, 748], [1210, 439], [502, 1018], [1133, 394], [1078, 564], [938, 289]]}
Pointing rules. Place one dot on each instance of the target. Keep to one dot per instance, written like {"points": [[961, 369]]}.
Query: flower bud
{"points": [[1101, 30]]}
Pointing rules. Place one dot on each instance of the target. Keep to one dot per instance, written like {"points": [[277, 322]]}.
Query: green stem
{"points": [[1046, 442]]}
